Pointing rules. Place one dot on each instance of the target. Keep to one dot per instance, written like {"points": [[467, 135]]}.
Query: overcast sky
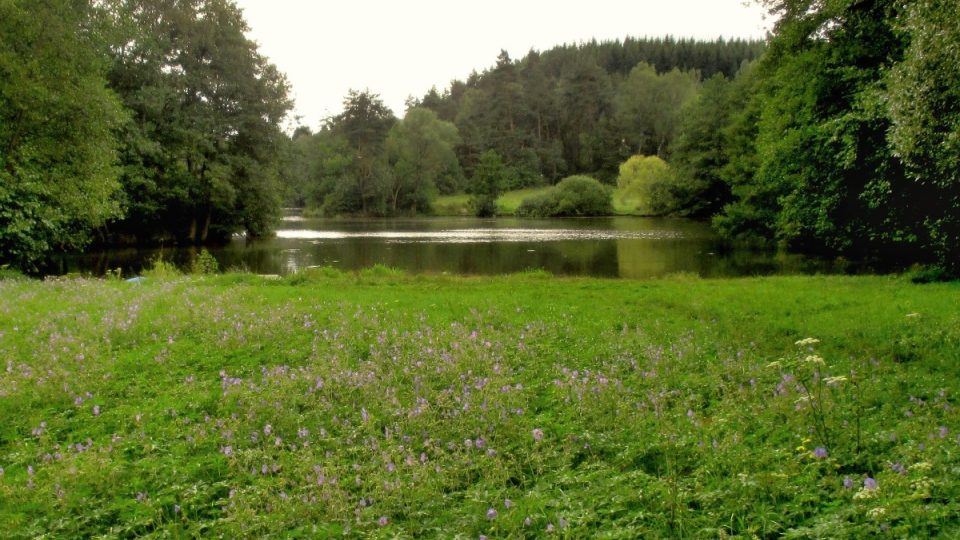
{"points": [[404, 47]]}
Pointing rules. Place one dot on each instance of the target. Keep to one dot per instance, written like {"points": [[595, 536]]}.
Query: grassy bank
{"points": [[381, 405], [507, 204]]}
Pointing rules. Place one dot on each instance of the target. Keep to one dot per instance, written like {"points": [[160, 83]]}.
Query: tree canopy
{"points": [[58, 180]]}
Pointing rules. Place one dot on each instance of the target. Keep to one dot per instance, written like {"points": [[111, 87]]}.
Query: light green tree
{"points": [[644, 184]]}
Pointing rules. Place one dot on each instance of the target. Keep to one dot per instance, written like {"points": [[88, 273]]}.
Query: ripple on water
{"points": [[481, 235]]}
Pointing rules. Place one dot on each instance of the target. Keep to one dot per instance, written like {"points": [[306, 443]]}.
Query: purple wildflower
{"points": [[491, 513], [507, 503], [96, 410], [943, 432], [820, 452], [898, 468], [847, 482], [383, 521], [870, 483], [537, 434]]}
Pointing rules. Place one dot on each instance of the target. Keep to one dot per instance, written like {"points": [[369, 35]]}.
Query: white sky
{"points": [[403, 47]]}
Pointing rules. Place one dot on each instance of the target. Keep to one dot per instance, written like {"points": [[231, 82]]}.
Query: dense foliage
{"points": [[58, 179], [133, 120], [571, 109], [383, 406], [201, 150], [841, 140], [573, 196]]}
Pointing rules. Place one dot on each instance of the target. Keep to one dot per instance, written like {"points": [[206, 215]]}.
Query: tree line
{"points": [[573, 109], [133, 121], [842, 139], [157, 120]]}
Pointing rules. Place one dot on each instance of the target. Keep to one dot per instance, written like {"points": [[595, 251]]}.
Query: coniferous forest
{"points": [[139, 121]]}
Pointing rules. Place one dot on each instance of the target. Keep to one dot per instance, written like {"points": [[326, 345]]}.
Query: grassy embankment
{"points": [[382, 406], [507, 204]]}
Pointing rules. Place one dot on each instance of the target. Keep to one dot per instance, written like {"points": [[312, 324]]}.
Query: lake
{"points": [[628, 247]]}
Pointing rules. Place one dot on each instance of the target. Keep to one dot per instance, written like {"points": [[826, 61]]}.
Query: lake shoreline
{"points": [[629, 247]]}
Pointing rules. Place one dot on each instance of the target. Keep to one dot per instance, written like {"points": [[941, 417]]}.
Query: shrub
{"points": [[573, 196], [161, 269], [7, 273], [205, 263], [646, 184]]}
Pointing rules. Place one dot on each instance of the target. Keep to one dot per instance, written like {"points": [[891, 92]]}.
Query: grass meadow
{"points": [[382, 405]]}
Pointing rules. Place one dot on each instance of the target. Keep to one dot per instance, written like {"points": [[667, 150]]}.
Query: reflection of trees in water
{"points": [[695, 250], [596, 258], [710, 258], [639, 259]]}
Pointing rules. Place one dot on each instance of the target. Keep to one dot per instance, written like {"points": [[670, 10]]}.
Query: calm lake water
{"points": [[628, 247]]}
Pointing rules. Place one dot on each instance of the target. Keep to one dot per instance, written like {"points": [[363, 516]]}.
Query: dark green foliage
{"points": [[351, 167], [573, 108], [488, 180], [924, 94], [569, 109], [701, 154], [842, 142], [364, 125], [201, 153], [933, 274], [57, 147], [571, 197], [420, 149]]}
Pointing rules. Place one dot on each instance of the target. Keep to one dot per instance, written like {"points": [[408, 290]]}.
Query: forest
{"points": [[573, 109], [138, 121], [131, 122]]}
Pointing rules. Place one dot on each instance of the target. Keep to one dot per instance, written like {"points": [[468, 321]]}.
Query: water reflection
{"points": [[624, 246]]}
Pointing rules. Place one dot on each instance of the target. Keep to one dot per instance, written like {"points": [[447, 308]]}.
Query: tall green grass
{"points": [[383, 405]]}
